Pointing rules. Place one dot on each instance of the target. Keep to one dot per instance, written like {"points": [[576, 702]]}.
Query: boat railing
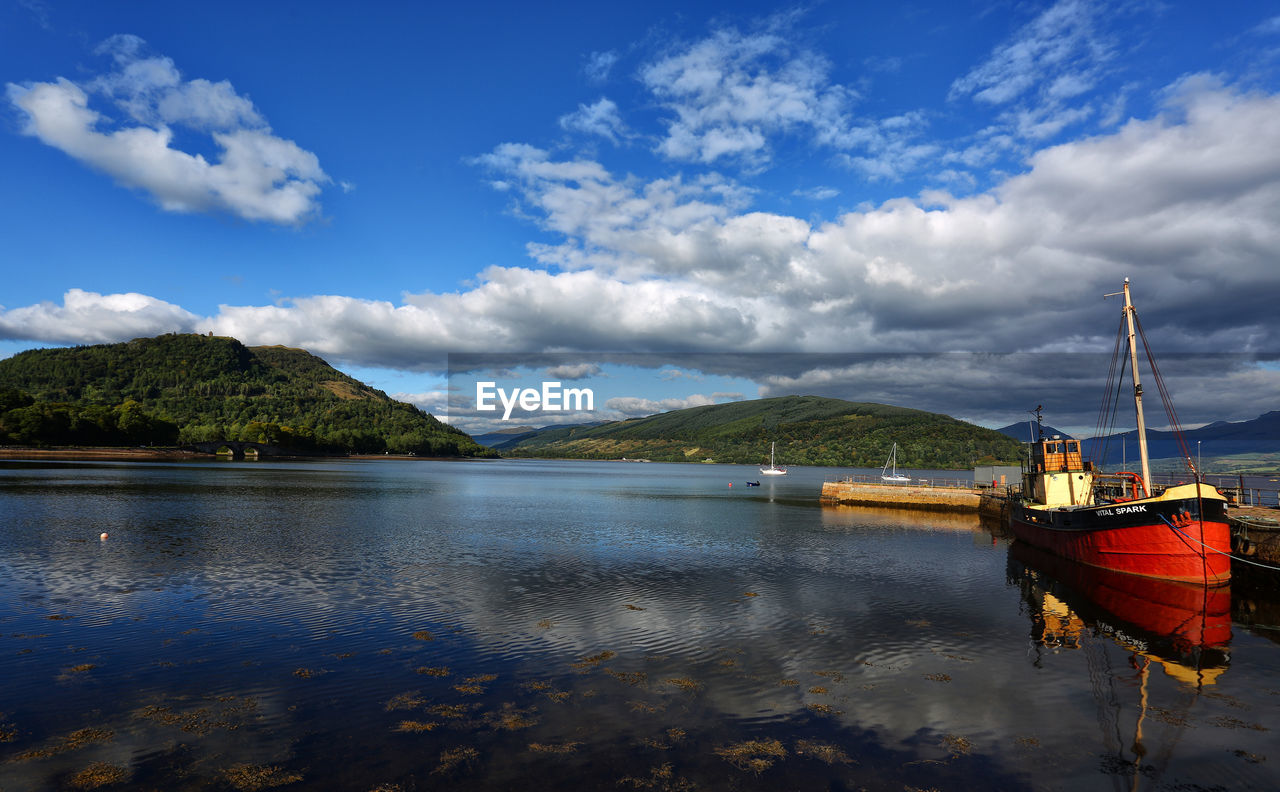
{"points": [[1233, 487]]}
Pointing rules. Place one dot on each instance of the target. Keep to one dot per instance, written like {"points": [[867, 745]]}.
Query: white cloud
{"points": [[259, 176], [599, 65], [1060, 51], [435, 402], [574, 371], [600, 119], [1268, 27], [817, 193], [668, 374], [152, 91], [1184, 204], [1048, 77], [89, 318], [728, 93], [635, 406]]}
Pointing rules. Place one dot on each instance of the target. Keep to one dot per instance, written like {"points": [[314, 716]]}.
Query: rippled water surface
{"points": [[567, 625]]}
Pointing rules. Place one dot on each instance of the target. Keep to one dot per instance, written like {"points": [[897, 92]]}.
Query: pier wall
{"points": [[1255, 533], [901, 496]]}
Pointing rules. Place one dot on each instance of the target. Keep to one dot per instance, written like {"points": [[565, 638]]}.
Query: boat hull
{"points": [[1163, 537]]}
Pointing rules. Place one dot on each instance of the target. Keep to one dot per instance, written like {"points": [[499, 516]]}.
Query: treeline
{"points": [[192, 388], [25, 422]]}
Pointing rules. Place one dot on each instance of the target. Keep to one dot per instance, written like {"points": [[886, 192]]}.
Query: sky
{"points": [[674, 204]]}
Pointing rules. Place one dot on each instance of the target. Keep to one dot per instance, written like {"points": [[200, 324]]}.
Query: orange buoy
{"points": [[103, 537]]}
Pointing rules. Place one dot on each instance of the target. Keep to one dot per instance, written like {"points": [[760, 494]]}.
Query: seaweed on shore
{"points": [[753, 756], [251, 778]]}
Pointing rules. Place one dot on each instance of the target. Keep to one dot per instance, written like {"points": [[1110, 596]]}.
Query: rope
{"points": [[1108, 410], [1214, 549], [1174, 424]]}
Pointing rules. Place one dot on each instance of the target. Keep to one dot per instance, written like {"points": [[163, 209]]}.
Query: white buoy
{"points": [[103, 537]]}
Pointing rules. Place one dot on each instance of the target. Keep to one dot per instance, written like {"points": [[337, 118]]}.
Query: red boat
{"points": [[1118, 521]]}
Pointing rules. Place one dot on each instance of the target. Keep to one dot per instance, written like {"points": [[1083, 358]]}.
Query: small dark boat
{"points": [[753, 483]]}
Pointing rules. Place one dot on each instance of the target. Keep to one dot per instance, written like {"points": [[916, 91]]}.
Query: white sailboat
{"points": [[893, 477], [772, 470]]}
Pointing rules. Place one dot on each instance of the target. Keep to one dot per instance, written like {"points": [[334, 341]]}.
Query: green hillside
{"points": [[808, 430], [176, 389]]}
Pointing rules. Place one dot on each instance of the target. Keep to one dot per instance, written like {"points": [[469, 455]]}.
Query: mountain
{"points": [[501, 437], [509, 438], [1022, 431], [1260, 435], [183, 388], [808, 430]]}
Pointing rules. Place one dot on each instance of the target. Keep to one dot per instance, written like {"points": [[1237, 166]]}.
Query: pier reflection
{"points": [[858, 517], [1184, 628]]}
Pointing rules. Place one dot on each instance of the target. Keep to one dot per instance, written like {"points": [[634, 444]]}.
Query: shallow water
{"points": [[578, 625]]}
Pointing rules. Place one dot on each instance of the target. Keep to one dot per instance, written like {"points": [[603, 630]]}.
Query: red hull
{"points": [[1196, 552]]}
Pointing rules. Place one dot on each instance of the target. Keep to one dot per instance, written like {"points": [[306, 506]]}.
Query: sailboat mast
{"points": [[1137, 392]]}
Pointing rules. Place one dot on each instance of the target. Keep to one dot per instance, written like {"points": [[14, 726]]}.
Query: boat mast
{"points": [[1137, 393]]}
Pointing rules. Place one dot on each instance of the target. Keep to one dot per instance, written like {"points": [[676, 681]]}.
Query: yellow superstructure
{"points": [[1058, 475]]}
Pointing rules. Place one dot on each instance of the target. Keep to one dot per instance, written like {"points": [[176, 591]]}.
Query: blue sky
{"points": [[737, 185]]}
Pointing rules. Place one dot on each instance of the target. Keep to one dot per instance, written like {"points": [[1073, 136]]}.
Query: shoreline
{"points": [[142, 454], [95, 452]]}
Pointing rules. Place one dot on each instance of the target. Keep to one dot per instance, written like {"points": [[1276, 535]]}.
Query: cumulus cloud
{"points": [[258, 176], [1183, 203], [89, 318]]}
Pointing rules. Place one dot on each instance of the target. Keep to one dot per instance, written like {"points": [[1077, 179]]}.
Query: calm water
{"points": [[563, 625]]}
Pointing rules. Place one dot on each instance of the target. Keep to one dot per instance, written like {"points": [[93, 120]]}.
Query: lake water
{"points": [[417, 625]]}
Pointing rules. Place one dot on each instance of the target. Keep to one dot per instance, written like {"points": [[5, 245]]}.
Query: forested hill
{"points": [[808, 430], [183, 388]]}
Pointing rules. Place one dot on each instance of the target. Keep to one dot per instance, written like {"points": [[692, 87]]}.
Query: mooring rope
{"points": [[1214, 549]]}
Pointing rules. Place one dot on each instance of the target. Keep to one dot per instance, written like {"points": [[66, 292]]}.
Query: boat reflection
{"points": [[1183, 627]]}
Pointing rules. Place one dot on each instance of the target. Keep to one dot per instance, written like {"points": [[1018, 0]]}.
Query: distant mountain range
{"points": [[808, 430], [1219, 439], [1023, 432], [509, 438]]}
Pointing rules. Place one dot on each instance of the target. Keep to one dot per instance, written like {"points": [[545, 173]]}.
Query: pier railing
{"points": [[1234, 487], [916, 481]]}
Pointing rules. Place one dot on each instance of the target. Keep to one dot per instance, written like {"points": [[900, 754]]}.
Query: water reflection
{"points": [[1186, 629], [573, 626]]}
